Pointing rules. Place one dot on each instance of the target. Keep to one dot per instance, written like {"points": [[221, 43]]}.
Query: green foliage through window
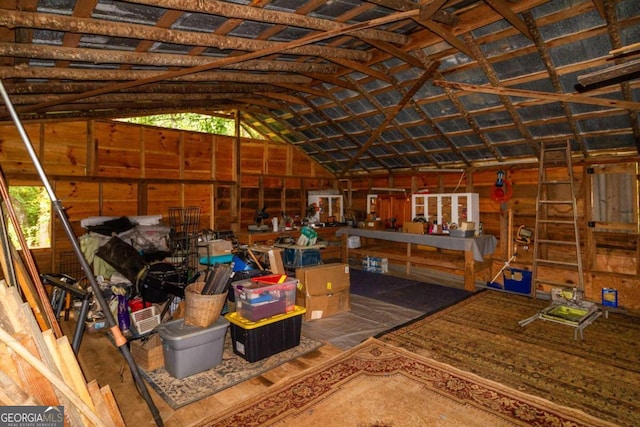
{"points": [[194, 122], [33, 211]]}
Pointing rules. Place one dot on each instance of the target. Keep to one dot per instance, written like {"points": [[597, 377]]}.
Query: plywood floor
{"points": [[102, 361]]}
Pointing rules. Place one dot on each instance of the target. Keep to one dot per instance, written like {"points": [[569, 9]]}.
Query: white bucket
{"points": [[353, 242]]}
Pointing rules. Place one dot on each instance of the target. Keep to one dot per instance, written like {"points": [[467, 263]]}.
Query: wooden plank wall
{"points": [[112, 169], [104, 168], [617, 254]]}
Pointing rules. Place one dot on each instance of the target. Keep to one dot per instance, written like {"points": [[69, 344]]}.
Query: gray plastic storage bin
{"points": [[190, 349]]}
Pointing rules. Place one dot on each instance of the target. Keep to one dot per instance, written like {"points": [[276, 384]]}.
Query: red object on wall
{"points": [[502, 190]]}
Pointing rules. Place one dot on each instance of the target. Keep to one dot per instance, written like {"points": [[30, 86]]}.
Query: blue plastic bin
{"points": [[517, 280]]}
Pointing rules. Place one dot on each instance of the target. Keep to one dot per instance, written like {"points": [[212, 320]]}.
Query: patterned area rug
{"points": [[599, 375], [232, 370], [376, 384]]}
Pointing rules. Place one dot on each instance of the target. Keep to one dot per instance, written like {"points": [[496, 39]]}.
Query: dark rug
{"points": [[233, 370], [424, 297], [599, 375]]}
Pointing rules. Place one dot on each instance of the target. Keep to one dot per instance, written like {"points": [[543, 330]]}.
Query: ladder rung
{"points": [[553, 221], [554, 262], [555, 148], [559, 202], [558, 242], [559, 181], [551, 282]]}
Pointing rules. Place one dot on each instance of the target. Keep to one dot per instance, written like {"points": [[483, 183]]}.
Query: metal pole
{"points": [[119, 339]]}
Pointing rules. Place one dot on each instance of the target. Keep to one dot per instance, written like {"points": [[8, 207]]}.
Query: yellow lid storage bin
{"points": [[255, 341]]}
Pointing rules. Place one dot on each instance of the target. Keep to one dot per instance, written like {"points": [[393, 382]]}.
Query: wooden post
{"points": [[469, 271]]}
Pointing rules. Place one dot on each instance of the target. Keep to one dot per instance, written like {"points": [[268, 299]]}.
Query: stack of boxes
{"points": [[267, 320], [270, 309], [324, 290]]}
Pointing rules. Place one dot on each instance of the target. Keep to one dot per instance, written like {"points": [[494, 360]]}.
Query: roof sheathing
{"points": [[333, 115]]}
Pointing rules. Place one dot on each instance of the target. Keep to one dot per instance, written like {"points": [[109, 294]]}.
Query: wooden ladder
{"points": [[556, 245]]}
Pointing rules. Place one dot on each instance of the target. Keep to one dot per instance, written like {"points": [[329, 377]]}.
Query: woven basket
{"points": [[202, 310], [148, 354]]}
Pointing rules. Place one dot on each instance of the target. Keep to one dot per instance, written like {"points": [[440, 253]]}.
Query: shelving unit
{"points": [[449, 207], [329, 205], [183, 236]]}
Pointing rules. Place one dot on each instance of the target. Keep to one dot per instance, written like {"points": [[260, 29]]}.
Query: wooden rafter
{"points": [[133, 98], [116, 29], [234, 59], [101, 56], [545, 56], [230, 10], [390, 115], [505, 10], [445, 34], [364, 69], [567, 97], [372, 99], [116, 75], [431, 10], [169, 88], [611, 75]]}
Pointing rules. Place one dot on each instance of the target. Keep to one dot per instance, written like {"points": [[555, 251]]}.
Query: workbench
{"points": [[477, 251], [269, 238]]}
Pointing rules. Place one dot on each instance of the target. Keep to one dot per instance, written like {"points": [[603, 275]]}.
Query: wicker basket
{"points": [[148, 353], [202, 310]]}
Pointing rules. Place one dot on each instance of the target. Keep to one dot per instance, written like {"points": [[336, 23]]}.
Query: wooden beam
{"points": [[505, 10], [169, 88], [230, 10], [102, 56], [599, 4], [284, 97], [426, 75], [609, 76], [119, 75], [303, 89], [446, 35], [353, 65], [144, 32], [233, 59], [136, 98], [633, 47], [429, 11], [567, 97], [398, 53]]}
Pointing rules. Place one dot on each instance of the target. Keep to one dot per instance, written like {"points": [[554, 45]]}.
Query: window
{"points": [[613, 237], [32, 207], [614, 198]]}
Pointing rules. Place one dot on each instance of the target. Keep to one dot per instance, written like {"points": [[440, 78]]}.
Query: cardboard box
{"points": [[375, 264], [324, 290], [413, 227]]}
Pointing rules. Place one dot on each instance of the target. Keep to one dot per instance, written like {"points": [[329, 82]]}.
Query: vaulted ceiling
{"points": [[360, 86]]}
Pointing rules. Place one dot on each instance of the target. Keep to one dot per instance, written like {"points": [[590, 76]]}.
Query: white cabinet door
{"points": [[447, 207]]}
